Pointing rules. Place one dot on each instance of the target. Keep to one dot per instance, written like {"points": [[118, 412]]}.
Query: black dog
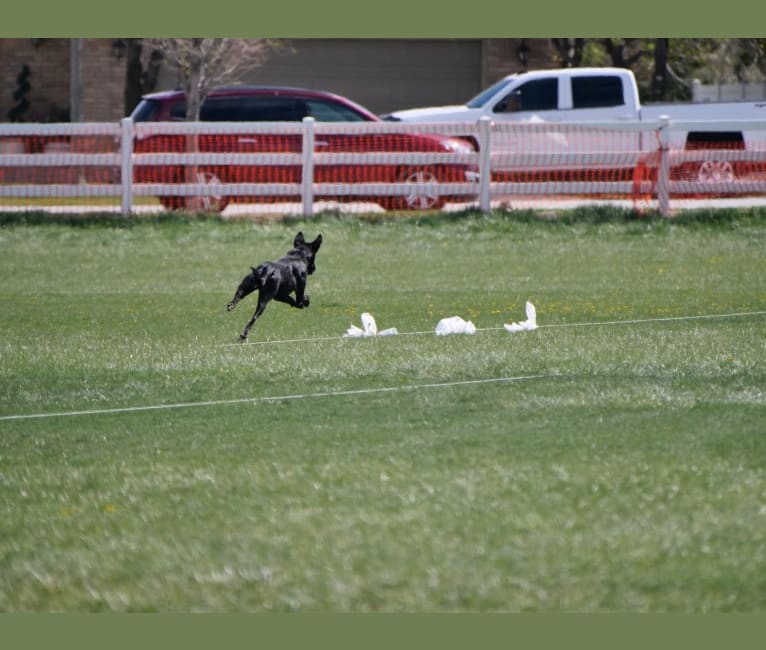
{"points": [[277, 280]]}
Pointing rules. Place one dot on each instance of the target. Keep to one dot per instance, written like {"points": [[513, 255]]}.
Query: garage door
{"points": [[382, 74]]}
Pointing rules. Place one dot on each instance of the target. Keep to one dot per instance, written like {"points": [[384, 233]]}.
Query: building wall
{"points": [[102, 77], [48, 61], [382, 74], [501, 57], [411, 72], [103, 81]]}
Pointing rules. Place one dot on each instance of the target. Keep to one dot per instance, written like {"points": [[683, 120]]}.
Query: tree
{"points": [[660, 74], [141, 72], [665, 68], [624, 52], [204, 63], [569, 51], [16, 114]]}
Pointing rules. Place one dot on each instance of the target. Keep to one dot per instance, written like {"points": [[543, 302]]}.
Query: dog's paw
{"points": [[231, 306], [305, 302], [242, 338]]}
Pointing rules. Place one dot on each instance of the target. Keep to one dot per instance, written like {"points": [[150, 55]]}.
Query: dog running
{"points": [[277, 280]]}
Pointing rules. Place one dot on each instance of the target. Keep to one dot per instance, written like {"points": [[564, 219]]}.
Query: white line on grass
{"points": [[274, 398], [364, 391], [659, 320], [637, 321]]}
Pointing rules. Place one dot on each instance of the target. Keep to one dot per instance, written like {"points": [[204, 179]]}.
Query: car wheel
{"points": [[172, 202], [212, 200], [423, 194], [208, 202]]}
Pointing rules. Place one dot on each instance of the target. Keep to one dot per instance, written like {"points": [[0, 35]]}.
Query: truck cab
{"points": [[572, 95]]}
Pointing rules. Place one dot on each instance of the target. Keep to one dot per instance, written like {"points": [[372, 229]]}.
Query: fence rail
{"points": [[208, 166]]}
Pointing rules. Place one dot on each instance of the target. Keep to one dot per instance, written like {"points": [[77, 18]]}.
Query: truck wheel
{"points": [[715, 171]]}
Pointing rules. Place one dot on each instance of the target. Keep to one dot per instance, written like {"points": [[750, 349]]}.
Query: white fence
{"points": [[126, 167], [729, 92]]}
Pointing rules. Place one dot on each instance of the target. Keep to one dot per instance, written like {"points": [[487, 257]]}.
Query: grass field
{"points": [[612, 460]]}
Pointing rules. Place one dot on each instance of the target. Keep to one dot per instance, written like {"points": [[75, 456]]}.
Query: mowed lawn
{"points": [[612, 460]]}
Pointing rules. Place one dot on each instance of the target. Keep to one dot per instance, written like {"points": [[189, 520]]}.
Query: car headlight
{"points": [[456, 145]]}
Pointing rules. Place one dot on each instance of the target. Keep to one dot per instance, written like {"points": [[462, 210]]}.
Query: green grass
{"points": [[625, 474]]}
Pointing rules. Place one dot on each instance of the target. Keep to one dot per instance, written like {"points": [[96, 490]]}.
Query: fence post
{"points": [[127, 132], [485, 167], [307, 176], [663, 173]]}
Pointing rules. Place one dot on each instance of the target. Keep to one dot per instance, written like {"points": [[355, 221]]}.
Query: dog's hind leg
{"points": [[250, 283], [262, 302], [251, 322]]}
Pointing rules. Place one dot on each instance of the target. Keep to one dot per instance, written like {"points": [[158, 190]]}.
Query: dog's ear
{"points": [[316, 244], [298, 241]]}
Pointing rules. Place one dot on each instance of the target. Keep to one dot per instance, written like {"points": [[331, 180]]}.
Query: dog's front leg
{"points": [[301, 300], [288, 300]]}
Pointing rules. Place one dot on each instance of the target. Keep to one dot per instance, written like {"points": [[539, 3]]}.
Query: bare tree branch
{"points": [[204, 63]]}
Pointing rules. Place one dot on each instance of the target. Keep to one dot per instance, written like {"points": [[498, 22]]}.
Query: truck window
{"points": [[597, 92], [488, 93], [536, 95]]}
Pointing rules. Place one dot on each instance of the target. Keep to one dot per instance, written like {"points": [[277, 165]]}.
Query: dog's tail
{"points": [[250, 283]]}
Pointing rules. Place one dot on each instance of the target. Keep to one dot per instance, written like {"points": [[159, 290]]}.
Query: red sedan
{"points": [[289, 105]]}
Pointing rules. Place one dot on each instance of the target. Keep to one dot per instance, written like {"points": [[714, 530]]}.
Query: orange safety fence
{"points": [[367, 166]]}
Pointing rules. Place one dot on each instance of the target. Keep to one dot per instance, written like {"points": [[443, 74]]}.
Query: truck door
{"points": [[598, 98], [525, 125], [601, 98]]}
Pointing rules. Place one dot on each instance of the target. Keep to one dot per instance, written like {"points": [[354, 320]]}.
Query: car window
{"points": [[327, 111], [535, 95], [597, 92], [178, 110], [272, 109], [146, 110], [246, 109], [225, 109]]}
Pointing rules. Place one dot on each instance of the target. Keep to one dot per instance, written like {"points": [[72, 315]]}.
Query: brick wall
{"points": [[501, 57], [102, 75], [103, 87], [48, 61]]}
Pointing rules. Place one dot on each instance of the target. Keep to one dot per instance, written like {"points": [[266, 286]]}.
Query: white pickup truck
{"points": [[578, 95]]}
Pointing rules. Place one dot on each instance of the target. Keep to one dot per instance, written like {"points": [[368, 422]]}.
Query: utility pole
{"points": [[75, 81]]}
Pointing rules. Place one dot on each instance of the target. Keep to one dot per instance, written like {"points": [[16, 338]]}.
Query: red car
{"points": [[270, 104]]}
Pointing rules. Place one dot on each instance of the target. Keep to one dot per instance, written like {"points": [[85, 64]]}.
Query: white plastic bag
{"points": [[454, 325], [527, 325], [369, 328]]}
